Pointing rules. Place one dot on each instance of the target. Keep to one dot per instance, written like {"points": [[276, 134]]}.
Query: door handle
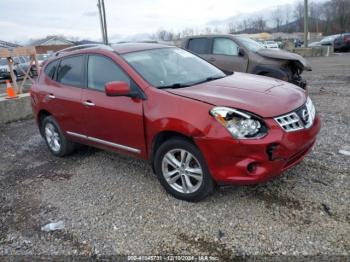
{"points": [[88, 103], [212, 59], [51, 96]]}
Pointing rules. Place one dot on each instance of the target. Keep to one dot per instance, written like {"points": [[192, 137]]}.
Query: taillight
{"points": [[346, 39]]}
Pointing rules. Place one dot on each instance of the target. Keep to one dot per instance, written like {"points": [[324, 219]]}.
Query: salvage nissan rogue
{"points": [[197, 126]]}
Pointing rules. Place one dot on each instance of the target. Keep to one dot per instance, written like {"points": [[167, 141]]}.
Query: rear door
{"points": [[200, 46], [63, 95], [115, 122], [225, 55]]}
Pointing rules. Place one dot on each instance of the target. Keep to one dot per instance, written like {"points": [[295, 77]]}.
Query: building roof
{"points": [[4, 44], [52, 40]]}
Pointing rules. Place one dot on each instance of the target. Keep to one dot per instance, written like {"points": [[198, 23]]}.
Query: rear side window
{"points": [[50, 69], [225, 46], [199, 45], [102, 70], [70, 71]]}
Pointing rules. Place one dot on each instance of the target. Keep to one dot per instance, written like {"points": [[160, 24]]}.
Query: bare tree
{"points": [[277, 17], [207, 30], [315, 16], [231, 28], [287, 14], [161, 34], [187, 32], [299, 15], [341, 14], [259, 24]]}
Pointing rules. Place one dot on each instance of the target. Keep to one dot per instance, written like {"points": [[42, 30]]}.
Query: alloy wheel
{"points": [[182, 171], [52, 137]]}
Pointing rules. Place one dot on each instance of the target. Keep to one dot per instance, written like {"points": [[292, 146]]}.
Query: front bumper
{"points": [[243, 162]]}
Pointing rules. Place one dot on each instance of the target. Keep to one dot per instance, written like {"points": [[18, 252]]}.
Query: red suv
{"points": [[197, 126]]}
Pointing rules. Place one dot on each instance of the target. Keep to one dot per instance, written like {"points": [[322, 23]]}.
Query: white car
{"points": [[270, 44]]}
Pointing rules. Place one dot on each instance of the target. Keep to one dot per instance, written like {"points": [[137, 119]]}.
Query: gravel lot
{"points": [[112, 204]]}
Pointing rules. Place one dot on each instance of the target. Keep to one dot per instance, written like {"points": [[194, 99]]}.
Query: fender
{"points": [[170, 125], [271, 71]]}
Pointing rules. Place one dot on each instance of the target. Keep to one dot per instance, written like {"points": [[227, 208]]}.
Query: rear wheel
{"points": [[182, 171], [55, 140]]}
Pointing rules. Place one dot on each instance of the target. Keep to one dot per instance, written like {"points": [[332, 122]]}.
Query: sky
{"points": [[22, 20]]}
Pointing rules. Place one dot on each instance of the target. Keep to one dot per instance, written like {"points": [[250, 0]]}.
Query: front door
{"points": [[115, 122], [225, 55]]}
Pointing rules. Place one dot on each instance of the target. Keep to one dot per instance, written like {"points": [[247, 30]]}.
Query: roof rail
{"points": [[79, 47]]}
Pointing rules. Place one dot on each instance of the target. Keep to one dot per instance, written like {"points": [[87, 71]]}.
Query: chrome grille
{"points": [[290, 122], [301, 118]]}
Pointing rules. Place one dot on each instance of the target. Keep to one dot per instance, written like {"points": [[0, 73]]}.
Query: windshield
{"points": [[250, 44], [172, 67]]}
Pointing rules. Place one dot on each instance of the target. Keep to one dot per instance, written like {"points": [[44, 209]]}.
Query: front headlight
{"points": [[241, 125]]}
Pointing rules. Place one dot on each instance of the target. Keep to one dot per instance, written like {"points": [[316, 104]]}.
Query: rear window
{"points": [[199, 45], [70, 71], [50, 69]]}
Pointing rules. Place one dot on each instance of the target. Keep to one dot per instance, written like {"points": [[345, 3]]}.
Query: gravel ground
{"points": [[112, 204]]}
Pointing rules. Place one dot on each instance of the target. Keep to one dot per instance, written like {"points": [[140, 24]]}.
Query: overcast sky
{"points": [[21, 20]]}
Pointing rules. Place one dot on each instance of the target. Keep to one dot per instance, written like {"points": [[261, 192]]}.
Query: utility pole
{"points": [[104, 21], [101, 21], [306, 23], [102, 12]]}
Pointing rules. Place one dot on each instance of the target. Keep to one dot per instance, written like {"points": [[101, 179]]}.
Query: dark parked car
{"points": [[235, 53], [19, 65], [342, 43], [197, 126]]}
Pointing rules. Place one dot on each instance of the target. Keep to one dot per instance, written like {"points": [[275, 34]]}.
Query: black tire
{"points": [[207, 183], [66, 147]]}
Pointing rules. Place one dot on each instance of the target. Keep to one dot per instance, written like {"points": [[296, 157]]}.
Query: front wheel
{"points": [[182, 170], [55, 139]]}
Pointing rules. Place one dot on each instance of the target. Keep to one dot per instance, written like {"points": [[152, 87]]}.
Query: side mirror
{"points": [[241, 51], [118, 88]]}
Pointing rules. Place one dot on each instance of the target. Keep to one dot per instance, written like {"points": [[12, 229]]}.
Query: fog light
{"points": [[251, 167]]}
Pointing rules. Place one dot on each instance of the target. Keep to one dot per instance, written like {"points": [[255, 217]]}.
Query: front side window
{"points": [[225, 46], [51, 68], [70, 71], [172, 67], [102, 70]]}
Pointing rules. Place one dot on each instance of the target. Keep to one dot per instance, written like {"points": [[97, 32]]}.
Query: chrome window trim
{"points": [[119, 146]]}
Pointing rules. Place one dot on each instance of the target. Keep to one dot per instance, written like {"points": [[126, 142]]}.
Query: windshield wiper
{"points": [[211, 78], [180, 85], [176, 85]]}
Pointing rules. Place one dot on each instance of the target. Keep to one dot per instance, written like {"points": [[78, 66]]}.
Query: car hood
{"points": [[285, 55], [263, 96]]}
